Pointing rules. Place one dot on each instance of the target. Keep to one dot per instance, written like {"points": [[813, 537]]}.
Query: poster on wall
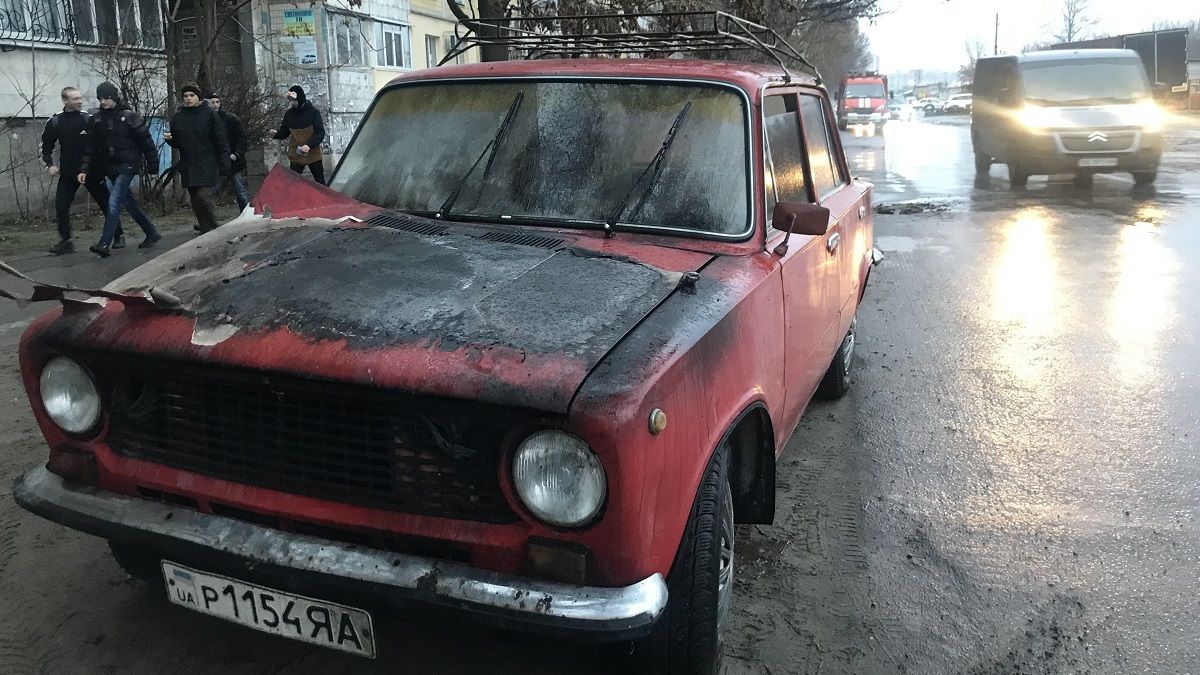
{"points": [[300, 30]]}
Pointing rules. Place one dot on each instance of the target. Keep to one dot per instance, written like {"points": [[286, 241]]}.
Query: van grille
{"points": [[1112, 141]]}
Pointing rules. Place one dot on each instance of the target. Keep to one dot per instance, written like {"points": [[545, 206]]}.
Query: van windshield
{"points": [[577, 153], [864, 90], [1084, 81]]}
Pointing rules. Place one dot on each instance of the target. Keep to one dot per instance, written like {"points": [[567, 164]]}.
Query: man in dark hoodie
{"points": [[68, 130], [305, 131], [120, 146], [199, 135], [236, 135]]}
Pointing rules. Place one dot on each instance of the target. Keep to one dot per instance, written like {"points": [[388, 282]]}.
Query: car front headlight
{"points": [[69, 395], [558, 478]]}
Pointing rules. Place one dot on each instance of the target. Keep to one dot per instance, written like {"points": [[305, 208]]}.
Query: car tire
{"points": [[1144, 177], [135, 563], [1018, 176], [983, 163], [928, 109], [686, 640], [836, 382], [842, 125]]}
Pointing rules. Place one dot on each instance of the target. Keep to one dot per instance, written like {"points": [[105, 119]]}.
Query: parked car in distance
{"points": [[481, 373], [958, 103], [900, 111], [929, 105], [1082, 112]]}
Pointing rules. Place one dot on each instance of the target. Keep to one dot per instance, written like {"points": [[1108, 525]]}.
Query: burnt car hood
{"points": [[493, 315]]}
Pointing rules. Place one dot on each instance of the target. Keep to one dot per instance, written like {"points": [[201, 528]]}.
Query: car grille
{"points": [[346, 443], [1113, 141]]}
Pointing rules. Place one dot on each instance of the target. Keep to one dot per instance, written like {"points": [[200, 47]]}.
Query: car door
{"points": [[847, 209], [810, 273]]}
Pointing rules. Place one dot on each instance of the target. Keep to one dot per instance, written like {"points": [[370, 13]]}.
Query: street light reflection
{"points": [[1140, 310], [1024, 293]]}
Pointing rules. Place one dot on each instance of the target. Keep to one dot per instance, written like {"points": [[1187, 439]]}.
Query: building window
{"points": [[431, 45], [41, 20], [131, 23], [351, 46], [392, 45], [451, 41]]}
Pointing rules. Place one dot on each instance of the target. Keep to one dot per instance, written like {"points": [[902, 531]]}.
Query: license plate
{"points": [[314, 621], [1098, 161]]}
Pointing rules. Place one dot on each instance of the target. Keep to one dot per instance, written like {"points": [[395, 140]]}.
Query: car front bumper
{"points": [[864, 118], [317, 567]]}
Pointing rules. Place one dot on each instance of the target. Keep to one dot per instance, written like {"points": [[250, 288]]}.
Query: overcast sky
{"points": [[930, 33]]}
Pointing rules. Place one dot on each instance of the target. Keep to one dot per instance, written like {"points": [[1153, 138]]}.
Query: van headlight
{"points": [[1147, 115], [558, 478], [69, 395], [1036, 117]]}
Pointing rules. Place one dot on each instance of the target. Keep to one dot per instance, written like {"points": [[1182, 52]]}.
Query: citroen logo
{"points": [[1097, 137]]}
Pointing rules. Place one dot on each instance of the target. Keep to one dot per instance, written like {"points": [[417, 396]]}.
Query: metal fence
{"points": [[48, 21]]}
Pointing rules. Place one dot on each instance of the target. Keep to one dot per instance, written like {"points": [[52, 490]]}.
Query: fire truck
{"points": [[862, 100]]}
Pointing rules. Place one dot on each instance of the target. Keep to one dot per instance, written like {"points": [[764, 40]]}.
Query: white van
{"points": [[1083, 112]]}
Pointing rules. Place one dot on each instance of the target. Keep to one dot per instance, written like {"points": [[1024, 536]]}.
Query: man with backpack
{"points": [[120, 146], [68, 130], [199, 135]]}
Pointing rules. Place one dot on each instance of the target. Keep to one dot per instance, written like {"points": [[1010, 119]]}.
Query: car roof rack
{"points": [[642, 34]]}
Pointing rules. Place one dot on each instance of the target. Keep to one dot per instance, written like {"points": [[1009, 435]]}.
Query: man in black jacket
{"points": [[120, 147], [305, 131], [199, 135], [236, 136], [68, 130]]}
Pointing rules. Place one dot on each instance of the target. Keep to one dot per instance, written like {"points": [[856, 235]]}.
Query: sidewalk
{"points": [[19, 243]]}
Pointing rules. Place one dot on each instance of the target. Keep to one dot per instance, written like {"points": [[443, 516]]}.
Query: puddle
{"points": [[907, 245]]}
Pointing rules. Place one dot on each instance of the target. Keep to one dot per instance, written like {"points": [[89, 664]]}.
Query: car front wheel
{"points": [[687, 638]]}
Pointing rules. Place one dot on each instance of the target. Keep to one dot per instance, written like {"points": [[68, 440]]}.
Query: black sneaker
{"points": [[119, 242], [64, 246], [150, 240], [102, 251]]}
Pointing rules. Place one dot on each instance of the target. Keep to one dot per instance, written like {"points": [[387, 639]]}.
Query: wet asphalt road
{"points": [[1011, 485]]}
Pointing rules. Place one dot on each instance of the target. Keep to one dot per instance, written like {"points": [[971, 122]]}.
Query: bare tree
{"points": [[975, 50], [1076, 18]]}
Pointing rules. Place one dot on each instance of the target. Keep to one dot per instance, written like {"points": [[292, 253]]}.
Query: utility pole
{"points": [[996, 39]]}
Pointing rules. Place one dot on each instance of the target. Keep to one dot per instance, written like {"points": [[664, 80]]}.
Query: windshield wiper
{"points": [[489, 151], [655, 165]]}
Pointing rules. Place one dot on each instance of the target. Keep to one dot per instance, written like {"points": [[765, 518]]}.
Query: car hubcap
{"points": [[848, 349], [725, 572]]}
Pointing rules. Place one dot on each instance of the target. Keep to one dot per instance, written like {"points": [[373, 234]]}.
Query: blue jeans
{"points": [[121, 195], [239, 190]]}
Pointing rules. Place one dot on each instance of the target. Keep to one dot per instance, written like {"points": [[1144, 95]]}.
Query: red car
{"points": [[527, 359]]}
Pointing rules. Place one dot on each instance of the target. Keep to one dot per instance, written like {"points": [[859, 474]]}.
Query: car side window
{"points": [[784, 152], [826, 175]]}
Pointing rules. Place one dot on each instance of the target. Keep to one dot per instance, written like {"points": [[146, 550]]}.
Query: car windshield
{"points": [[1084, 81], [587, 152], [864, 90]]}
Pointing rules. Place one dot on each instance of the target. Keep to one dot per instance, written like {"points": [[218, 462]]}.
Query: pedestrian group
{"points": [[105, 149]]}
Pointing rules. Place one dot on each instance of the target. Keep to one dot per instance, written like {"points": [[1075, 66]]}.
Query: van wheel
{"points": [[687, 638], [836, 382], [1144, 177], [982, 162], [1018, 176]]}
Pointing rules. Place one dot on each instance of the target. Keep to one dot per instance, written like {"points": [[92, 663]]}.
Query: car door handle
{"points": [[862, 211], [832, 243]]}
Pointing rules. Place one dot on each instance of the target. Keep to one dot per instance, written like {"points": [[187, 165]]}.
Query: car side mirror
{"points": [[798, 218], [1007, 98]]}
